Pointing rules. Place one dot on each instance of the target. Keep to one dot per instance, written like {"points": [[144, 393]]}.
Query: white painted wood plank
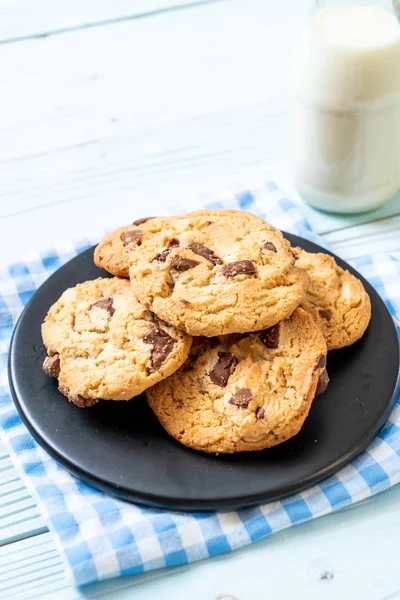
{"points": [[295, 562], [5, 464], [48, 565], [24, 18], [27, 522], [10, 497], [149, 123], [91, 84], [92, 171], [8, 477], [98, 137], [22, 510], [38, 587], [10, 488], [31, 568], [3, 451], [19, 515]]}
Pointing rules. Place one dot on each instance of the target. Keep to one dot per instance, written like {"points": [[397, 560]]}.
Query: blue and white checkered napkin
{"points": [[101, 537]]}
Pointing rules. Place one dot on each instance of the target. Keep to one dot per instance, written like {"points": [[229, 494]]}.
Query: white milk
{"points": [[347, 109]]}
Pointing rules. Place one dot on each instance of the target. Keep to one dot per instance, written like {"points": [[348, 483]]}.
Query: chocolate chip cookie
{"points": [[215, 272], [114, 250], [336, 299], [102, 343], [244, 392]]}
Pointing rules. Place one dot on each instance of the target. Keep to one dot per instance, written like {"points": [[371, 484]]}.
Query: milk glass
{"points": [[346, 113]]}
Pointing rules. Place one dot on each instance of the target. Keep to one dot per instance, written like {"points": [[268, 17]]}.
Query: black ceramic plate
{"points": [[120, 447]]}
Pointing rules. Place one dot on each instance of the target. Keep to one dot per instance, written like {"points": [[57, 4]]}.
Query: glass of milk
{"points": [[346, 146]]}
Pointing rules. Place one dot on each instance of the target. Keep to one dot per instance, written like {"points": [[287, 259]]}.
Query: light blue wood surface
{"points": [[111, 109]]}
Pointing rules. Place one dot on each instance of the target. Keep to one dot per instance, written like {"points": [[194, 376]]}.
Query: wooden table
{"points": [[116, 108]]}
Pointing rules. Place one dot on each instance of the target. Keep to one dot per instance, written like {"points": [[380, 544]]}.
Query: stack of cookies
{"points": [[217, 317]]}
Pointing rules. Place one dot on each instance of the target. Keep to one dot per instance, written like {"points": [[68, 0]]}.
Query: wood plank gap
{"points": [[105, 22], [13, 491], [13, 502], [6, 468], [12, 480], [17, 572], [19, 585], [43, 557], [16, 512], [31, 534], [56, 585], [52, 151]]}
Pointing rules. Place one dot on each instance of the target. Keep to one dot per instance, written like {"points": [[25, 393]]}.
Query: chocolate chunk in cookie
{"points": [[270, 337], [322, 383], [206, 253], [260, 413], [162, 255], [77, 399], [223, 368], [241, 398], [105, 304], [269, 246], [235, 338], [321, 362], [325, 313], [162, 344], [181, 264], [199, 346], [141, 221], [51, 365], [132, 237], [239, 267]]}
